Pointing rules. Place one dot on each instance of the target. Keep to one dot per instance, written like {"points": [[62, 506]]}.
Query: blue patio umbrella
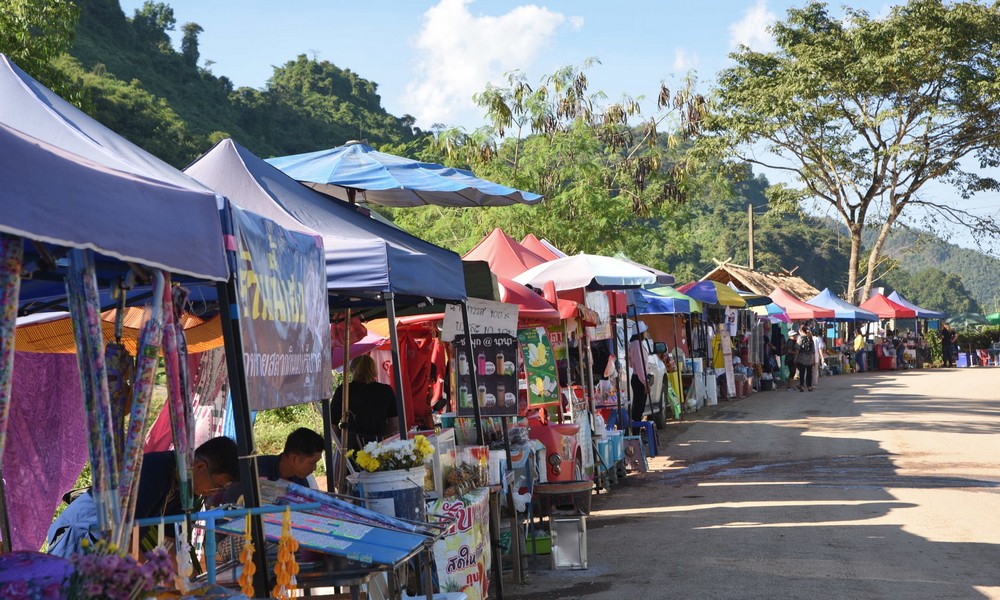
{"points": [[648, 303], [391, 180]]}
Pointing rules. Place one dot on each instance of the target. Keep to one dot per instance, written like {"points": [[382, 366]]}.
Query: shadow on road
{"points": [[784, 495]]}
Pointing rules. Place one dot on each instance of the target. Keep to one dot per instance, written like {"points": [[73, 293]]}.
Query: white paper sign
{"points": [[485, 316]]}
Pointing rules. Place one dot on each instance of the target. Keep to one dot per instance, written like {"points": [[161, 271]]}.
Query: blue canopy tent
{"points": [[843, 310], [367, 261], [391, 180], [129, 207], [922, 313]]}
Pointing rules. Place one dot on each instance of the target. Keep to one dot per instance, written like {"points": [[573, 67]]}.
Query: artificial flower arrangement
{"points": [[378, 457], [102, 572]]}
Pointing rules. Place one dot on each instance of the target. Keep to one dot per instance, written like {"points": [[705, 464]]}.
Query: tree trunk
{"points": [[876, 252], [854, 263]]}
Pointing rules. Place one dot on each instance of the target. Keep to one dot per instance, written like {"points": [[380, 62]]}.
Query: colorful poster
{"points": [[539, 366], [463, 557], [496, 375], [284, 314], [557, 339]]}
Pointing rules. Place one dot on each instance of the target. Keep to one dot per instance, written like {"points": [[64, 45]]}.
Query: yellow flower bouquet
{"points": [[377, 457]]}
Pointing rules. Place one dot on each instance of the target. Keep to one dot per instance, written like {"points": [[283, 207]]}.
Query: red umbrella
{"points": [[532, 309], [798, 310], [887, 309]]}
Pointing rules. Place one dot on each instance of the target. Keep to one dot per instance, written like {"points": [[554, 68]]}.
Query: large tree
{"points": [[614, 179], [864, 112], [33, 33]]}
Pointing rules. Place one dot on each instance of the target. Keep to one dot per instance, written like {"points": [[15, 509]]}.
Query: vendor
{"points": [[371, 413], [296, 463], [638, 356], [215, 467]]}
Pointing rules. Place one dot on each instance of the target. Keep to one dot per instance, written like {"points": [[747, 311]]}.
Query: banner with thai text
{"points": [[463, 557], [495, 360], [485, 316], [284, 314]]}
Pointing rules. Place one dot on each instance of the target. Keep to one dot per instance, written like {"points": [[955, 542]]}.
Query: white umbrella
{"points": [[587, 271]]}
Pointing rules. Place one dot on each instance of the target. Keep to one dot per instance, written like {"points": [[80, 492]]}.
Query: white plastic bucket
{"points": [[396, 493]]}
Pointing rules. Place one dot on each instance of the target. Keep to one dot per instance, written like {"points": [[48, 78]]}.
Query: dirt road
{"points": [[876, 485]]}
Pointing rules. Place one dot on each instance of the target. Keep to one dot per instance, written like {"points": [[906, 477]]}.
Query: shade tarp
{"points": [[588, 271], [362, 254], [887, 309], [713, 292], [506, 257], [798, 310], [70, 181], [966, 320], [668, 292], [391, 180], [922, 313], [842, 310]]}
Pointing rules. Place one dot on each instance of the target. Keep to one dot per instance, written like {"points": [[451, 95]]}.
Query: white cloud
{"points": [[751, 30], [457, 53], [684, 61]]}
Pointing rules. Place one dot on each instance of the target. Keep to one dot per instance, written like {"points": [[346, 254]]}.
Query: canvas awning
{"points": [[798, 310], [887, 309], [505, 256], [922, 313], [843, 310]]}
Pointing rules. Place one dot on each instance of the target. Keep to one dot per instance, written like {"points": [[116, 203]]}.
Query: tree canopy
{"points": [[865, 112]]}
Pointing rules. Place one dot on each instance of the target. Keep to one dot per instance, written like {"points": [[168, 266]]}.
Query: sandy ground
{"points": [[876, 485]]}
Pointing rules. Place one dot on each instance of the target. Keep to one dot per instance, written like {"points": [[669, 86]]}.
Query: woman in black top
{"points": [[371, 413]]}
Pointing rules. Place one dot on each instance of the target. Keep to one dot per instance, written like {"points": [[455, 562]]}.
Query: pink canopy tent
{"points": [[505, 256], [798, 310], [887, 309]]}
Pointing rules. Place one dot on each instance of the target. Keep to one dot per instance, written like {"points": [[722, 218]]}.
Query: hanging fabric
{"points": [[178, 390], [11, 262], [85, 311], [150, 341]]}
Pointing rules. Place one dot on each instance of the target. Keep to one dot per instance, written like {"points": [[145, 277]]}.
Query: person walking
{"points": [[791, 349], [805, 359], [947, 345], [859, 352]]}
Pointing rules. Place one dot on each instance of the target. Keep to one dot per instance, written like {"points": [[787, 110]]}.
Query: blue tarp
{"points": [[391, 180], [67, 180], [922, 313], [843, 310], [362, 254]]}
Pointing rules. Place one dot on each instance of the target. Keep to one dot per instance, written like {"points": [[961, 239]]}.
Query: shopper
{"points": [[859, 352], [638, 356], [371, 411], [805, 359], [791, 350], [947, 345]]}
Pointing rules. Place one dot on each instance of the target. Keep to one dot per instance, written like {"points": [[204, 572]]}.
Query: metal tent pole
{"points": [[397, 365], [241, 418]]}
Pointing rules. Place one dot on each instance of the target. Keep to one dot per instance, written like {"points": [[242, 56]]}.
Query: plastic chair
{"points": [[984, 357], [650, 435]]}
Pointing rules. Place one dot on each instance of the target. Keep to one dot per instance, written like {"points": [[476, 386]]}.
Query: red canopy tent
{"points": [[887, 309], [532, 309], [535, 245], [798, 310], [505, 256]]}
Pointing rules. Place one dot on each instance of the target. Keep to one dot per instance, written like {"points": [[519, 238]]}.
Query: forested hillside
{"points": [[124, 70]]}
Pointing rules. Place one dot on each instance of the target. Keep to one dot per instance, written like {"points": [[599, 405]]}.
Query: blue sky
{"points": [[429, 57]]}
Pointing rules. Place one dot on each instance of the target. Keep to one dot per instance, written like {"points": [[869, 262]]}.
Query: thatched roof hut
{"points": [[758, 282]]}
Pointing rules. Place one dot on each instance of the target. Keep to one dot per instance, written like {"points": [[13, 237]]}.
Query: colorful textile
{"points": [[45, 448], [84, 304], [210, 386], [11, 261]]}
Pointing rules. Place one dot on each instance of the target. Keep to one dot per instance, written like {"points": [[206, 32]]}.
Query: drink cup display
{"points": [[500, 363], [463, 395], [482, 394], [481, 363], [463, 364], [501, 394]]}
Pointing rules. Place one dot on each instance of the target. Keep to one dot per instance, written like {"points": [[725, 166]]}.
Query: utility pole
{"points": [[750, 233]]}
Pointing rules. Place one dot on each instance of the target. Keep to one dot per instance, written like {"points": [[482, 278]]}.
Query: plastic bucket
{"points": [[396, 493]]}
